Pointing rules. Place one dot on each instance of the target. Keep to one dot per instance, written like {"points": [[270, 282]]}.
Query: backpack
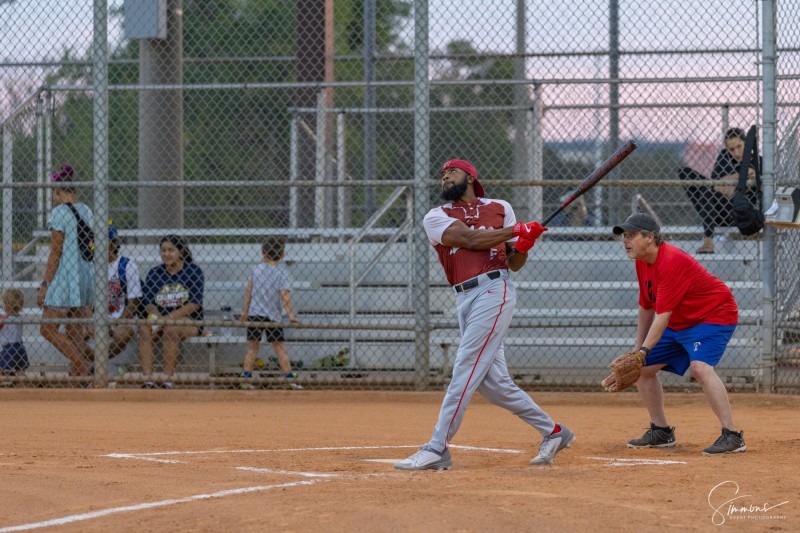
{"points": [[85, 236], [748, 218]]}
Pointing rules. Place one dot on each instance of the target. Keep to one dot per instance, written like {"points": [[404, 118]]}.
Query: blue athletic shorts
{"points": [[677, 349]]}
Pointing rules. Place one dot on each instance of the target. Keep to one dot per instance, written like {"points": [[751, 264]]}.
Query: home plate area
{"points": [[347, 453], [184, 457], [282, 477]]}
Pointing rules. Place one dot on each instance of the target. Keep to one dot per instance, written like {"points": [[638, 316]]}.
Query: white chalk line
{"points": [[386, 461], [284, 472], [492, 450], [141, 457], [624, 461], [154, 457], [142, 506]]}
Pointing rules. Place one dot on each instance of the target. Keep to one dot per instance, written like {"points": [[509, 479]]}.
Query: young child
{"points": [[268, 289], [13, 356], [124, 292]]}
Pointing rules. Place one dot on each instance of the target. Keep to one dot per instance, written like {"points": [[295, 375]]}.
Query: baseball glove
{"points": [[625, 371]]}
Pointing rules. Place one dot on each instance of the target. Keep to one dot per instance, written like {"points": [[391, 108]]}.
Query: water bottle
{"points": [[227, 317]]}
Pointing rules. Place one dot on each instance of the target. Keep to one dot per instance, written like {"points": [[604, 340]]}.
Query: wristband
{"points": [[645, 349], [152, 317]]}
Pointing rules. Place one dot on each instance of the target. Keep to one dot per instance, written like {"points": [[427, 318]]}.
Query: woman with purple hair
{"points": [[67, 288]]}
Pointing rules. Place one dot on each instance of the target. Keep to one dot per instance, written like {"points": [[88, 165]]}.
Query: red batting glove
{"points": [[531, 230], [523, 245]]}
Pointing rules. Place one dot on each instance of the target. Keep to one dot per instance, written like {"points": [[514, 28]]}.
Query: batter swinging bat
{"points": [[592, 179]]}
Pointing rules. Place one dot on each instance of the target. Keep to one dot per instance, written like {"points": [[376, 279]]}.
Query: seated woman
{"points": [[714, 204], [173, 289]]}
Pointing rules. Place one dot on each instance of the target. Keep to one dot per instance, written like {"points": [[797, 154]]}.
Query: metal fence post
{"points": [[320, 204], [422, 106], [342, 209], [8, 221], [294, 153], [100, 157], [40, 163], [537, 157], [769, 89]]}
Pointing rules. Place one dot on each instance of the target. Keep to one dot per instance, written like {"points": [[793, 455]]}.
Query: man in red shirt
{"points": [[478, 241], [687, 316]]}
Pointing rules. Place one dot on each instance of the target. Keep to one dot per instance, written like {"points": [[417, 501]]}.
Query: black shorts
{"points": [[270, 334]]}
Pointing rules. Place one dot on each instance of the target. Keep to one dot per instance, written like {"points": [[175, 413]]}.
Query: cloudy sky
{"points": [[34, 30]]}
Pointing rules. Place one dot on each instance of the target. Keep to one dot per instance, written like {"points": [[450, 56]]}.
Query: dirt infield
{"points": [[176, 460]]}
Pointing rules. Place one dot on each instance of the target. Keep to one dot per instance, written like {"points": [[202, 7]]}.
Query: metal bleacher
{"points": [[576, 307]]}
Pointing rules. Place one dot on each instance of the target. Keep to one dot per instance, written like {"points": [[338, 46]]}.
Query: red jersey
{"points": [[677, 282], [482, 213]]}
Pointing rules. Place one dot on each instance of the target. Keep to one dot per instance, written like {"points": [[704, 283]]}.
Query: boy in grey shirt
{"points": [[268, 290]]}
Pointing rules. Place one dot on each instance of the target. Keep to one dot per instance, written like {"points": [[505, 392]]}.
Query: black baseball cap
{"points": [[637, 222]]}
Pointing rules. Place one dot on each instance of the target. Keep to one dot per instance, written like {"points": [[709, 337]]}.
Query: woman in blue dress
{"points": [[67, 288]]}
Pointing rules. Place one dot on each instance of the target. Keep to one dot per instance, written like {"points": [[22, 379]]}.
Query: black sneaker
{"points": [[655, 437], [728, 442]]}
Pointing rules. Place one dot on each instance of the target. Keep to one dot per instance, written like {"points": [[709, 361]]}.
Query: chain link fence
{"points": [[787, 338], [212, 134]]}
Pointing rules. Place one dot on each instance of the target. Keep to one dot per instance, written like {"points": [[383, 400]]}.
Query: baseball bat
{"points": [[598, 174]]}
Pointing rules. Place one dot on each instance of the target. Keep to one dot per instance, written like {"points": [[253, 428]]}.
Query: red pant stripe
{"points": [[477, 360]]}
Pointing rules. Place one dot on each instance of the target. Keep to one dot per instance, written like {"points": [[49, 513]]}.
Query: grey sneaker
{"points": [[728, 442], [655, 437], [426, 460], [552, 444]]}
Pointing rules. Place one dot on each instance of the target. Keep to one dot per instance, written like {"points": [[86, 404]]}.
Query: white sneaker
{"points": [[552, 444], [426, 460]]}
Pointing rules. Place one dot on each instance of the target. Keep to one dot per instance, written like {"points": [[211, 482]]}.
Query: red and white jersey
{"points": [[482, 213]]}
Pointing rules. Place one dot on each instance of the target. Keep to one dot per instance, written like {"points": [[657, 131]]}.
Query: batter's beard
{"points": [[454, 193]]}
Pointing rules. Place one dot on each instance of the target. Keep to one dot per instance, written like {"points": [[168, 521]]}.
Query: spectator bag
{"points": [[85, 236], [748, 218]]}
